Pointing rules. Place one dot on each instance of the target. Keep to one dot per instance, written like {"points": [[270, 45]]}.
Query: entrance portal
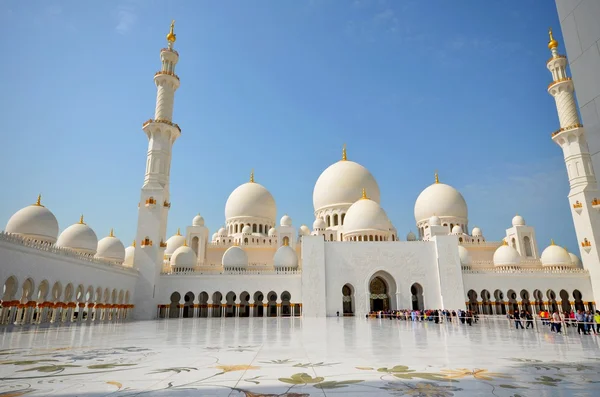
{"points": [[379, 294]]}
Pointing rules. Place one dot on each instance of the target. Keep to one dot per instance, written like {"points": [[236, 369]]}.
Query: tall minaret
{"points": [[154, 201], [584, 194]]}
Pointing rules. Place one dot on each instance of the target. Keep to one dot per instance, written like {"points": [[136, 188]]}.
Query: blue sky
{"points": [[410, 86]]}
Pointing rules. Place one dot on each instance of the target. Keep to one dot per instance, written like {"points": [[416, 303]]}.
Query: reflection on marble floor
{"points": [[296, 357]]}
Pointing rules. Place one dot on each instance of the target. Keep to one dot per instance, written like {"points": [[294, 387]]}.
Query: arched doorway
{"points": [[188, 305], [286, 297], [258, 304], [499, 297], [512, 301], [244, 304], [565, 304], [379, 294], [525, 304], [553, 305], [216, 304], [272, 304], [578, 300], [473, 304], [348, 300], [539, 301], [485, 298], [416, 292], [230, 304], [174, 305], [203, 303]]}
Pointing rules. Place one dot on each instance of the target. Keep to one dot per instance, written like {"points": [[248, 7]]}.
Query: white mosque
{"points": [[350, 263]]}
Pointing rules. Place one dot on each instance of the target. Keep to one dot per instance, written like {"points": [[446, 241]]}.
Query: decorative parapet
{"points": [[150, 202], [586, 245], [524, 270], [149, 121], [58, 251], [166, 204], [146, 242], [559, 81], [569, 127], [169, 50], [578, 206], [556, 57], [196, 272], [162, 244], [164, 72]]}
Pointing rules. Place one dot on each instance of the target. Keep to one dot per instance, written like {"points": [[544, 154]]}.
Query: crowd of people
{"points": [[436, 316], [586, 322]]}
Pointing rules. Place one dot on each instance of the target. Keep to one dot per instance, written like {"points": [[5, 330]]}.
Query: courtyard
{"points": [[296, 357]]}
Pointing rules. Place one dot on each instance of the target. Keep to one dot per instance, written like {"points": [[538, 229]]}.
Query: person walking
{"points": [[580, 317], [597, 321], [517, 318], [529, 319]]}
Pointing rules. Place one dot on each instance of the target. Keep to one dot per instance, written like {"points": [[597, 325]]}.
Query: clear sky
{"points": [[279, 86]]}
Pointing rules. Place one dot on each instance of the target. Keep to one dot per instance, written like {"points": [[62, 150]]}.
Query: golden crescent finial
{"points": [[81, 220], [504, 242], [344, 153], [185, 243], [39, 200], [364, 194], [437, 177], [171, 37], [552, 242], [112, 233], [178, 232], [552, 44], [133, 245], [252, 176]]}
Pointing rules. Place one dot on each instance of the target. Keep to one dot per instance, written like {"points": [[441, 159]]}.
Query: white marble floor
{"points": [[296, 357]]}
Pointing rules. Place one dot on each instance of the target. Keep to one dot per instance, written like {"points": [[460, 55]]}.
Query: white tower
{"points": [[584, 194], [154, 201]]}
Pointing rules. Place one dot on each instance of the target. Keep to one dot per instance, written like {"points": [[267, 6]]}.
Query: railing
{"points": [[169, 50], [221, 272], [559, 81], [556, 57], [59, 251], [569, 127], [161, 121], [522, 270], [166, 73]]}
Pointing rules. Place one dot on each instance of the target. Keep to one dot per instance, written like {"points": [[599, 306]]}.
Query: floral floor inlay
{"points": [[296, 357]]}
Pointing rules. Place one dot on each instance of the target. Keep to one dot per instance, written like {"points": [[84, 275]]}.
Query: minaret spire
{"points": [[571, 137], [437, 177], [344, 154], [252, 176]]}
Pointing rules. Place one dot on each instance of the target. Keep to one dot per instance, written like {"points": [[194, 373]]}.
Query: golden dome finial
{"points": [[81, 220], [133, 245], [344, 154], [39, 201], [437, 177], [552, 242], [504, 242], [112, 233], [178, 232], [185, 243], [252, 176], [171, 37], [552, 44], [364, 194]]}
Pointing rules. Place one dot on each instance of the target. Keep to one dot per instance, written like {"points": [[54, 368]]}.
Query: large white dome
{"points": [[79, 237], [111, 248], [465, 257], [506, 255], [35, 222], [183, 258], [285, 257], [554, 255], [575, 260], [251, 200], [441, 200], [341, 184], [174, 242], [365, 214], [129, 255], [235, 258]]}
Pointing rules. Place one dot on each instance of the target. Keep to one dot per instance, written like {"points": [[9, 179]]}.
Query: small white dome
{"points": [[272, 232], [222, 232], [235, 258], [304, 230], [285, 221], [174, 242], [198, 220], [129, 256], [285, 257], [457, 229], [215, 236], [34, 221], [319, 224], [465, 257], [246, 230], [442, 200], [575, 260], [518, 221], [365, 214], [554, 255], [251, 200], [79, 237], [434, 221], [506, 255], [111, 248], [411, 236], [341, 184], [476, 232], [183, 258]]}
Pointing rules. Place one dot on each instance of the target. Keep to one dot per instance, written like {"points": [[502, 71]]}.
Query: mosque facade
{"points": [[351, 262]]}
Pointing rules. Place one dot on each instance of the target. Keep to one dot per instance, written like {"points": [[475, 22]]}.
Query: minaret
{"points": [[584, 194], [155, 201]]}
